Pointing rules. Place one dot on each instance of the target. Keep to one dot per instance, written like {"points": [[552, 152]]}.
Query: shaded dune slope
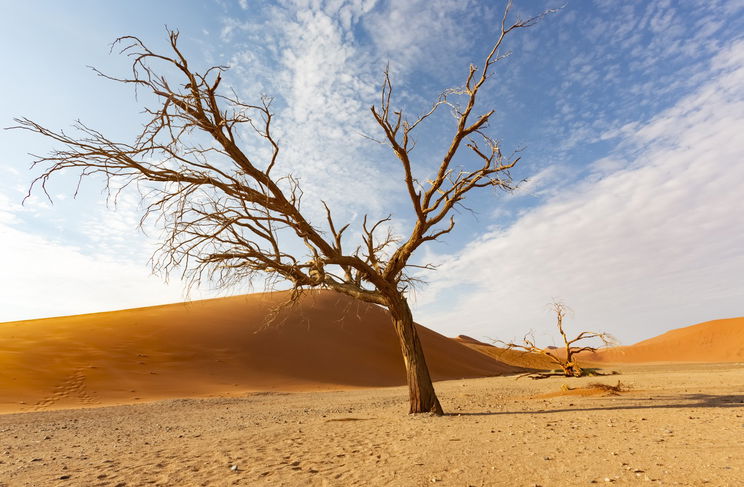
{"points": [[216, 346], [711, 342], [515, 358]]}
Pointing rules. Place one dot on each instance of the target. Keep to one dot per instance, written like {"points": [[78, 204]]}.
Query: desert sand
{"points": [[219, 346], [677, 425], [212, 393]]}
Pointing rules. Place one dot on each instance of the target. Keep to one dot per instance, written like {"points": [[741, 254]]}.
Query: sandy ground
{"points": [[678, 425]]}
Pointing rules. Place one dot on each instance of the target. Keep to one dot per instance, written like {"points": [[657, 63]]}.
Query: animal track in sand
{"points": [[72, 386]]}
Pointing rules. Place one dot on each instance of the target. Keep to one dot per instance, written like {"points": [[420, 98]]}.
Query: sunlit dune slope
{"points": [[216, 346], [516, 358], [466, 340], [712, 342]]}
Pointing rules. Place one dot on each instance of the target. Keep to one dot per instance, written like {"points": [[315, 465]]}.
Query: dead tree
{"points": [[564, 358], [229, 217]]}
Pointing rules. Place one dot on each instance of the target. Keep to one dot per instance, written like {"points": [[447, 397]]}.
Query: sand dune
{"points": [[218, 346], [715, 341], [709, 342], [470, 341], [515, 358]]}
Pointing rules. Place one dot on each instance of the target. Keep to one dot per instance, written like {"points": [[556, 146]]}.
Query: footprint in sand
{"points": [[72, 386]]}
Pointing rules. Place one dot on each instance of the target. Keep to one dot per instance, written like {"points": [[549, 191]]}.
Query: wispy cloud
{"points": [[410, 34], [655, 244], [637, 58], [45, 275], [323, 85], [43, 278], [590, 77], [323, 61]]}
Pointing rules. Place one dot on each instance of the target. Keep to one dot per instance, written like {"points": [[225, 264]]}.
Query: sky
{"points": [[629, 115]]}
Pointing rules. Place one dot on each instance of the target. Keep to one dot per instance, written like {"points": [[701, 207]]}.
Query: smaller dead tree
{"points": [[563, 357]]}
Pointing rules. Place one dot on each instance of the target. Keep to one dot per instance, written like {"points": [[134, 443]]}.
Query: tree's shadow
{"points": [[685, 401]]}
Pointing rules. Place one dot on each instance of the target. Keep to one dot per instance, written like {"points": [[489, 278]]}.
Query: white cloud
{"points": [[111, 229], [654, 245], [422, 34], [643, 55], [322, 59], [42, 278], [325, 76], [544, 183], [324, 83]]}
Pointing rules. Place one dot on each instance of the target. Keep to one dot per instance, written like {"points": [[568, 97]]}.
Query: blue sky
{"points": [[630, 113]]}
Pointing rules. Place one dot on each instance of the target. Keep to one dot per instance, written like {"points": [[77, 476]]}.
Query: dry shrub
{"points": [[616, 389]]}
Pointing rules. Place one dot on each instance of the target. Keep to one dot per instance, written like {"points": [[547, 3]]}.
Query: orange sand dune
{"points": [[217, 346], [464, 339], [711, 342], [514, 357]]}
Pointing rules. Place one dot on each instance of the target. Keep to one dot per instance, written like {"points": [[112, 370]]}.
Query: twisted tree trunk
{"points": [[423, 398]]}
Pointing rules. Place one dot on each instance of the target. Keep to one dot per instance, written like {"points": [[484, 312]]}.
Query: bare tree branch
{"points": [[229, 218]]}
